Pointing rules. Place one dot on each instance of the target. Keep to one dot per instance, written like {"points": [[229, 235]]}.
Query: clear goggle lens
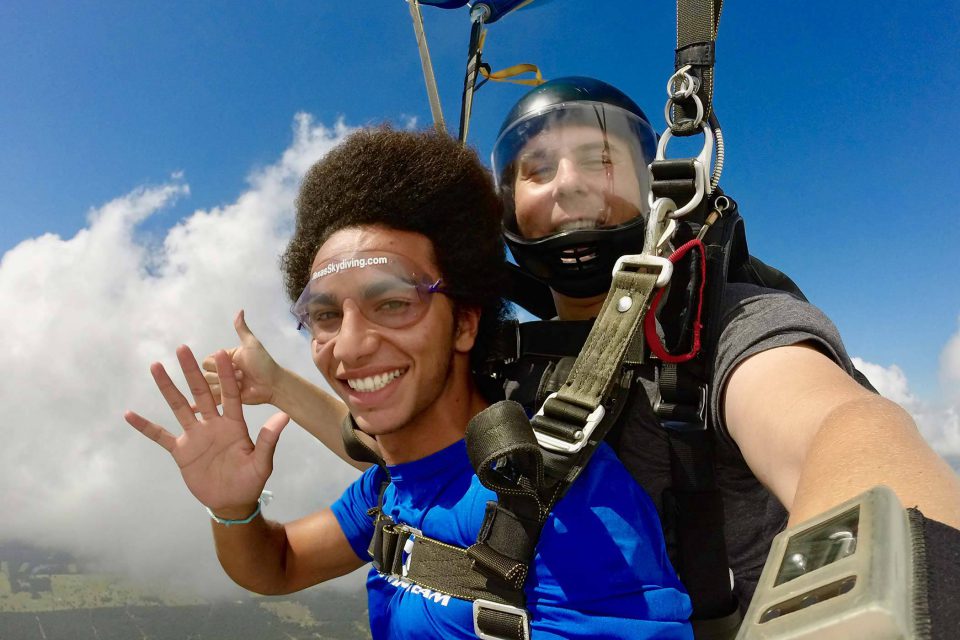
{"points": [[384, 288]]}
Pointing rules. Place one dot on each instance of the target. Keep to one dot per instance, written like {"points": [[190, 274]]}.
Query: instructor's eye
{"points": [[537, 169]]}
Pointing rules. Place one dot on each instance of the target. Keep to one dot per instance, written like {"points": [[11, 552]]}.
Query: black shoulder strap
{"points": [[529, 293], [693, 505], [355, 447]]}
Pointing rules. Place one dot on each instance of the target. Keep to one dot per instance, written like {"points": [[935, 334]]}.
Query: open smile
{"points": [[574, 225], [370, 384]]}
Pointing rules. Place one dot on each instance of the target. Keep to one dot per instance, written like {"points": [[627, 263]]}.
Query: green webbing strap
{"points": [[597, 368], [438, 569], [697, 22], [435, 565]]}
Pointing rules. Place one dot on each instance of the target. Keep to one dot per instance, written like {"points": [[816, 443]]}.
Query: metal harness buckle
{"points": [[644, 262], [556, 444], [478, 605], [680, 425]]}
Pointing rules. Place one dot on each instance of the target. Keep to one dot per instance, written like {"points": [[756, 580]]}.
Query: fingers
{"points": [[209, 366], [152, 430], [213, 381], [177, 402], [210, 374], [198, 385], [229, 390], [267, 440]]}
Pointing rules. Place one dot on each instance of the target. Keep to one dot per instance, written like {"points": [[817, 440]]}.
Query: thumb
{"points": [[267, 440], [243, 331]]}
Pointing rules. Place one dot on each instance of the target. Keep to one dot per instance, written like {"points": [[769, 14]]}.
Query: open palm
{"points": [[219, 463]]}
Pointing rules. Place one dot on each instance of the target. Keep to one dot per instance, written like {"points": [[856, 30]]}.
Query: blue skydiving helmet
{"points": [[571, 165]]}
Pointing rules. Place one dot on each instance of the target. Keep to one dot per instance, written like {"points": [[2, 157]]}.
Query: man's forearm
{"points": [[254, 555], [272, 558], [873, 441]]}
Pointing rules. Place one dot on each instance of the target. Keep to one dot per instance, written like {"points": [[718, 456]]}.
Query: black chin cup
{"points": [[577, 263]]}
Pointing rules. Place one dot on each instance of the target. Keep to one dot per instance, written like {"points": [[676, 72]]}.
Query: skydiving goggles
{"points": [[384, 287]]}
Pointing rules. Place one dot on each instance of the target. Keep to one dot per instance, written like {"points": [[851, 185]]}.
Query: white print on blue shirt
{"points": [[433, 596]]}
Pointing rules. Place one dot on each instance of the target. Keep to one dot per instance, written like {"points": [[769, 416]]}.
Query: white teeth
{"points": [[374, 383], [578, 224]]}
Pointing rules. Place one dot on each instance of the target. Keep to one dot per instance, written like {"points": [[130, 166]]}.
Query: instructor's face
{"points": [[566, 179]]}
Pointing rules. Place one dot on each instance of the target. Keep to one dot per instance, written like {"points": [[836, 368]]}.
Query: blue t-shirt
{"points": [[600, 568]]}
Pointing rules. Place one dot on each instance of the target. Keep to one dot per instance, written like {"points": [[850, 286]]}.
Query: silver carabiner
{"points": [[688, 84], [701, 166], [687, 87]]}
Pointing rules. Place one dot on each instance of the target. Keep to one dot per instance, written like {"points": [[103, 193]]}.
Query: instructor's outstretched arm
{"points": [[815, 437]]}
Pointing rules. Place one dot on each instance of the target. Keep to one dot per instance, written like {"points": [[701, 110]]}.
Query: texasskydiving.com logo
{"points": [[348, 263]]}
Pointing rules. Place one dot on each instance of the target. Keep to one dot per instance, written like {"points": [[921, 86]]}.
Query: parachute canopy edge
{"points": [[498, 8]]}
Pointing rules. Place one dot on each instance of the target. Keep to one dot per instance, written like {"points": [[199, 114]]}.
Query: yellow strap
{"points": [[507, 75]]}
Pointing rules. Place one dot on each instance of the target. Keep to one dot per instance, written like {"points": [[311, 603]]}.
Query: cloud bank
{"points": [[939, 421], [83, 318]]}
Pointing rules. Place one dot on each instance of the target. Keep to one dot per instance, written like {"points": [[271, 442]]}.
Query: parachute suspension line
{"points": [[478, 17], [601, 114], [433, 95], [718, 163]]}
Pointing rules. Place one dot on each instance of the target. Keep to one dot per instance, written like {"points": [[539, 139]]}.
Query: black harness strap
{"points": [[356, 448], [693, 505], [529, 293], [507, 459]]}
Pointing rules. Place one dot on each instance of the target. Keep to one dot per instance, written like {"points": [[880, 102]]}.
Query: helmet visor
{"points": [[385, 288], [575, 165]]}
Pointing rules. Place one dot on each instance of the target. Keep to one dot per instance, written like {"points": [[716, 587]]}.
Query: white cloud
{"points": [[939, 422], [83, 317], [890, 381], [950, 368]]}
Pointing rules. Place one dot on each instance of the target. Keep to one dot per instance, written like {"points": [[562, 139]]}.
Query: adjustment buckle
{"points": [[556, 444], [648, 263], [524, 622], [408, 535], [684, 425]]}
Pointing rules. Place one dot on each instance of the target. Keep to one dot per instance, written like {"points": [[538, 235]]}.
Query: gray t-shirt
{"points": [[752, 319]]}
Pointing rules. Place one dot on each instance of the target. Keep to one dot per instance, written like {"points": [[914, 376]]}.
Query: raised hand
{"points": [[218, 461], [256, 370]]}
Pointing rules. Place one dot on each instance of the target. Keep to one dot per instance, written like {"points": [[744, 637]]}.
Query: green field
{"points": [[46, 596]]}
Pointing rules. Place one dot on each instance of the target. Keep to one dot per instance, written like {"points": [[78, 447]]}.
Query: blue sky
{"points": [[150, 155], [840, 124]]}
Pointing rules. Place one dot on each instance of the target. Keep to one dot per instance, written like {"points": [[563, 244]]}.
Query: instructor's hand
{"points": [[255, 369]]}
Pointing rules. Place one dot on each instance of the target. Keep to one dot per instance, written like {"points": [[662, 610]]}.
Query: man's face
{"points": [[567, 180], [388, 377]]}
